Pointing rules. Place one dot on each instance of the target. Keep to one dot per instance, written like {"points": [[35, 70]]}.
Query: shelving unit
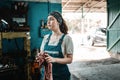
{"points": [[13, 35]]}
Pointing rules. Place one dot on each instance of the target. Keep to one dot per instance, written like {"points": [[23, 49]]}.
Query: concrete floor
{"points": [[106, 69], [94, 63]]}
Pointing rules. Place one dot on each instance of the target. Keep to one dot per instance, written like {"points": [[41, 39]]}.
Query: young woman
{"points": [[59, 46]]}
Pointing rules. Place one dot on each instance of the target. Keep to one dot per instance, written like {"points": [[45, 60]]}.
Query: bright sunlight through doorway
{"points": [[80, 28]]}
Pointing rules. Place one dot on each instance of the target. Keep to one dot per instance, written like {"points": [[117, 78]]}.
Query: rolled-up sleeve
{"points": [[68, 43]]}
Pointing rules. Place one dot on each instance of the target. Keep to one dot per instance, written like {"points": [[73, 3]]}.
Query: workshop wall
{"points": [[37, 11]]}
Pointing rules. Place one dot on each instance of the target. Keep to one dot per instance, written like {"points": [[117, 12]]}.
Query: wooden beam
{"points": [[83, 5], [66, 4]]}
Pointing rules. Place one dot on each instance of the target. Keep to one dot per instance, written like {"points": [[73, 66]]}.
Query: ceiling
{"points": [[79, 6]]}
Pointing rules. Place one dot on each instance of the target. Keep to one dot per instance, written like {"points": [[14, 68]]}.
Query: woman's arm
{"points": [[66, 60]]}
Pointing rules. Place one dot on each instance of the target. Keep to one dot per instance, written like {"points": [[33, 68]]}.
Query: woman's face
{"points": [[52, 23]]}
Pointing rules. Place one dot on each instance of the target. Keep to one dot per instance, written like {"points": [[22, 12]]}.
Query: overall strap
{"points": [[61, 39]]}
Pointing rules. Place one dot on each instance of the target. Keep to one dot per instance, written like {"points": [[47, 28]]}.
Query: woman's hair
{"points": [[62, 25]]}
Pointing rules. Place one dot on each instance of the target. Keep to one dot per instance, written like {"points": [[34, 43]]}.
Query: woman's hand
{"points": [[49, 59], [38, 56]]}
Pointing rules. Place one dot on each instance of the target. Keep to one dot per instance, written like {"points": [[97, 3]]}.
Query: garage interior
{"points": [[18, 45]]}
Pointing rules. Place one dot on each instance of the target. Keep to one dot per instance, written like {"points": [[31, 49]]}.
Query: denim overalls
{"points": [[59, 71]]}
